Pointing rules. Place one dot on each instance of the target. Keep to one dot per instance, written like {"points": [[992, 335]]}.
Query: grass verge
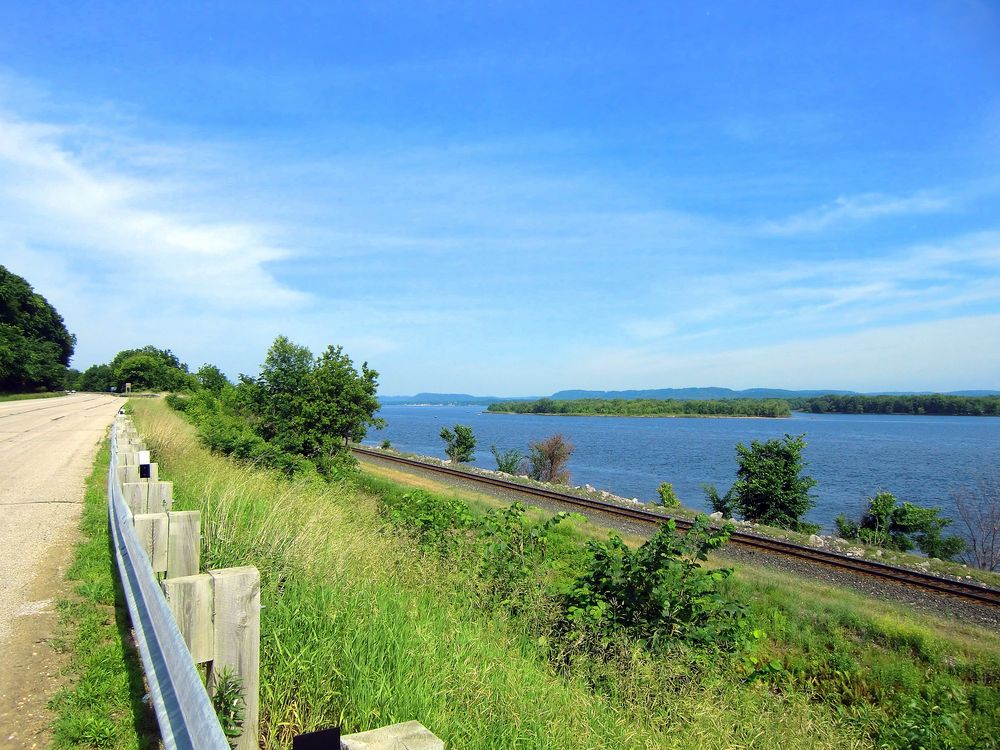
{"points": [[102, 705], [362, 628], [26, 396]]}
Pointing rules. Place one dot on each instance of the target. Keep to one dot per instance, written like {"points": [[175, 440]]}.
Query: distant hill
{"points": [[696, 394], [680, 394], [449, 399]]}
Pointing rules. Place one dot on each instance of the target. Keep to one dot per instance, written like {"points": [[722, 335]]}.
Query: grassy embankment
{"points": [[102, 704], [645, 407], [879, 554], [361, 627], [25, 396]]}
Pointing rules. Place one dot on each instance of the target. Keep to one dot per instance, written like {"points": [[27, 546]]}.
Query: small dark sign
{"points": [[324, 739], [143, 471]]}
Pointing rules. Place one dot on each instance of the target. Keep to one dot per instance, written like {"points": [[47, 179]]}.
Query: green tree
{"points": [[770, 487], [211, 378], [342, 401], [149, 368], [902, 527], [277, 397], [35, 347], [508, 462], [96, 378], [460, 445], [667, 497], [548, 459], [311, 407]]}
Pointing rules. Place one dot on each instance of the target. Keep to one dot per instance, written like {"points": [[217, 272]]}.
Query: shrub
{"points": [[658, 593], [548, 458], [512, 551], [668, 498], [460, 445], [769, 486], [901, 527], [509, 462]]}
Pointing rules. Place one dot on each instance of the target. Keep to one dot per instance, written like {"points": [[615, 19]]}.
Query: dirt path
{"points": [[47, 449]]}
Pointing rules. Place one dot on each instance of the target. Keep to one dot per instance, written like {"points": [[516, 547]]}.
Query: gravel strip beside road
{"points": [[47, 449], [927, 602]]}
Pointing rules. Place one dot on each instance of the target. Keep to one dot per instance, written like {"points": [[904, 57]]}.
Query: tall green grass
{"points": [[360, 628], [102, 704]]}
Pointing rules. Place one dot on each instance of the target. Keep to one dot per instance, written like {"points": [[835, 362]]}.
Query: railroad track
{"points": [[926, 581]]}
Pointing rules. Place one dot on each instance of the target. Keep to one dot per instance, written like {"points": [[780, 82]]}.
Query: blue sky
{"points": [[514, 198]]}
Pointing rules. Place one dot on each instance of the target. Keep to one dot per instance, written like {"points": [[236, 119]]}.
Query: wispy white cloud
{"points": [[50, 195], [956, 353], [852, 210]]}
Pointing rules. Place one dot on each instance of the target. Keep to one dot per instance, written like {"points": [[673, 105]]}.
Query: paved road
{"points": [[47, 449]]}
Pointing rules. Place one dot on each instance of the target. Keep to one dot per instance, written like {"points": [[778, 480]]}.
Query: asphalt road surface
{"points": [[47, 449]]}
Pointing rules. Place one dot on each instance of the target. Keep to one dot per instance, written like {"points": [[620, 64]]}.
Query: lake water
{"points": [[919, 459]]}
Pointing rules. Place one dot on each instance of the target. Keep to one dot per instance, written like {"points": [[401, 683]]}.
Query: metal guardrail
{"points": [[183, 709]]}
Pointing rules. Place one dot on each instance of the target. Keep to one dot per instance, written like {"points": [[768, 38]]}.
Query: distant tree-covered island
{"points": [[935, 404], [646, 407]]}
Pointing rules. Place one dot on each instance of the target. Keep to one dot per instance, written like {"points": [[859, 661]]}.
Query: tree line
{"points": [[935, 404], [35, 346], [647, 407]]}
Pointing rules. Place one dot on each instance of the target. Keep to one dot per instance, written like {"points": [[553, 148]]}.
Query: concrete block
{"points": [[410, 735]]}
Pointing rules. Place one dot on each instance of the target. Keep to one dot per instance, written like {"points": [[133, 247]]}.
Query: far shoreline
{"points": [[633, 416]]}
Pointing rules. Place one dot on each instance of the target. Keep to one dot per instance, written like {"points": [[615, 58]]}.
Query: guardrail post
{"points": [[183, 543], [409, 734], [151, 528], [237, 640], [190, 599]]}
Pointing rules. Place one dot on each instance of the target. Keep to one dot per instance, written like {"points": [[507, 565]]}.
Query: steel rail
{"points": [[183, 709], [927, 581]]}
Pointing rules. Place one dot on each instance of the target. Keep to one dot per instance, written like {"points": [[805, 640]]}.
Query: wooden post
{"points": [[190, 599], [151, 528], [136, 496], [183, 543], [161, 496], [237, 640]]}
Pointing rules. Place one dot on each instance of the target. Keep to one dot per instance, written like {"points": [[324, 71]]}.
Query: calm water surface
{"points": [[919, 459]]}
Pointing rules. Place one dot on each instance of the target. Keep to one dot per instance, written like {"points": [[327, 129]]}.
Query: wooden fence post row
{"points": [[218, 612]]}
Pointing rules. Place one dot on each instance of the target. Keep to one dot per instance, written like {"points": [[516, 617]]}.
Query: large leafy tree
{"points": [[309, 406], [770, 487], [460, 445], [35, 347], [151, 369]]}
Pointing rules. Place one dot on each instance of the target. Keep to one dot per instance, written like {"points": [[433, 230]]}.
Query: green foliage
{"points": [[100, 703], [935, 404], [647, 407], [548, 459], [902, 527], [769, 487], [385, 445], [437, 522], [150, 369], [724, 504], [98, 378], [658, 593], [35, 347], [512, 551], [460, 445], [230, 705], [310, 407], [211, 378], [667, 496], [508, 462]]}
